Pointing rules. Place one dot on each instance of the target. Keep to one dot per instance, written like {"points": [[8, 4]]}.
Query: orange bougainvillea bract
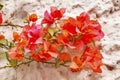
{"points": [[65, 41]]}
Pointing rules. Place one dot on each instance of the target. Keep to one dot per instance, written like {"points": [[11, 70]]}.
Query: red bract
{"points": [[1, 19], [52, 49], [16, 53], [91, 58], [97, 29], [42, 57], [83, 18], [90, 29], [39, 54], [16, 36], [55, 13], [64, 37], [70, 27], [76, 64], [34, 34], [48, 19], [92, 32], [79, 46], [64, 56]]}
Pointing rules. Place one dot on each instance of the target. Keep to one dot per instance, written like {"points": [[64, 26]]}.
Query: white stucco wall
{"points": [[106, 11]]}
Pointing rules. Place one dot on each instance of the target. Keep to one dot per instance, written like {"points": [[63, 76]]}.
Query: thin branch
{"points": [[4, 46], [28, 62], [9, 66], [10, 24], [55, 63], [25, 63]]}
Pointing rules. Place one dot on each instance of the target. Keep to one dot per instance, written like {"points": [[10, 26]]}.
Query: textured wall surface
{"points": [[106, 11]]}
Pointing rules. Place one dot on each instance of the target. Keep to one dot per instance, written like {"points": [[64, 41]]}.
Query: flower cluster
{"points": [[70, 42]]}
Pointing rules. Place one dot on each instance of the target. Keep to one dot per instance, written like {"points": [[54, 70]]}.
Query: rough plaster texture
{"points": [[106, 11]]}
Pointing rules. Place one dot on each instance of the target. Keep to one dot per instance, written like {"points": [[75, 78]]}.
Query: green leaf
{"points": [[52, 31], [67, 61], [13, 63], [78, 37], [38, 50], [1, 6], [60, 47], [26, 21], [4, 41], [71, 39], [2, 55], [93, 41], [7, 56], [12, 44], [57, 64]]}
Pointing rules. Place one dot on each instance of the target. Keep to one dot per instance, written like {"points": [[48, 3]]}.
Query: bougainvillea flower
{"points": [[64, 37], [48, 19], [92, 58], [76, 64], [90, 29], [16, 53], [1, 19], [42, 57], [79, 46], [55, 13], [25, 30], [35, 33], [83, 18], [39, 53], [16, 36], [87, 38], [33, 17], [53, 50], [59, 40], [64, 56], [70, 26], [91, 33], [2, 37], [97, 29]]}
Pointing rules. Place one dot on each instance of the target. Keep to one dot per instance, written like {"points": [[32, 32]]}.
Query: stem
{"points": [[5, 67], [28, 62], [9, 66], [4, 46], [10, 24], [55, 63], [25, 63], [56, 23]]}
